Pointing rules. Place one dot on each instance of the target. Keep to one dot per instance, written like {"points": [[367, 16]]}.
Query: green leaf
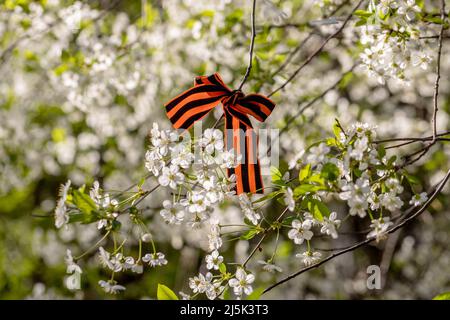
{"points": [[318, 209], [226, 294], [141, 182], [269, 196], [164, 293], [222, 268], [436, 20], [255, 294], [330, 172], [306, 188], [363, 13], [249, 234], [289, 219], [83, 202], [381, 152], [411, 179], [442, 296], [305, 172], [277, 176], [361, 22], [275, 173], [317, 179]]}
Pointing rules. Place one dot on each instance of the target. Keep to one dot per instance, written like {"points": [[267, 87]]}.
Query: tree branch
{"points": [[252, 45], [317, 51], [438, 71], [262, 239], [369, 240], [303, 42]]}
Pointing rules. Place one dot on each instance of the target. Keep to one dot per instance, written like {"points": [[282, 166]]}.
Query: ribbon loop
{"points": [[208, 91]]}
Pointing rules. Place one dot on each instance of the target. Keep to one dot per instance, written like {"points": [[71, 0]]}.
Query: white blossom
{"points": [[241, 283], [300, 231], [61, 215], [330, 224], [419, 199], [155, 259], [173, 213], [309, 257], [213, 260], [379, 228], [171, 176], [111, 286]]}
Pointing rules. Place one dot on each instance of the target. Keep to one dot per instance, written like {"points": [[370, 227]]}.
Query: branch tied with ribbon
{"points": [[208, 91]]}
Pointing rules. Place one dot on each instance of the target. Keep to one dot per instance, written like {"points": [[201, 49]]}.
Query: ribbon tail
{"points": [[242, 138]]}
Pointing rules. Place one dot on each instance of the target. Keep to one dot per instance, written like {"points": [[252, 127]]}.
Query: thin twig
{"points": [[438, 71], [303, 42], [317, 98], [413, 138], [369, 240], [310, 104], [317, 51], [262, 239], [252, 45], [411, 142]]}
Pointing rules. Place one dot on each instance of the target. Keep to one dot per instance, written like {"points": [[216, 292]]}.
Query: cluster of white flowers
{"points": [[302, 231], [362, 193], [117, 262], [248, 209], [206, 284], [199, 168], [105, 202], [391, 37], [361, 174], [379, 228]]}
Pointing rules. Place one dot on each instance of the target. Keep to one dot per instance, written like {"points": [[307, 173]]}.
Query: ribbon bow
{"points": [[195, 103]]}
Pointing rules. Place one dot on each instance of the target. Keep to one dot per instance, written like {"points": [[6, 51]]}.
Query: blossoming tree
{"points": [[353, 94]]}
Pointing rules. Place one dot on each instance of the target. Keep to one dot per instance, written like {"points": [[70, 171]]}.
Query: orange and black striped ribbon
{"points": [[195, 103]]}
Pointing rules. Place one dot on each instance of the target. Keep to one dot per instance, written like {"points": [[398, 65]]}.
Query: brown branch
{"points": [[303, 42], [434, 37], [317, 98], [252, 45], [317, 51], [413, 141], [438, 72], [369, 240], [262, 239], [412, 138]]}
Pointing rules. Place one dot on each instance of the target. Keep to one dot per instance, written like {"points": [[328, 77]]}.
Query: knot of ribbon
{"points": [[195, 103]]}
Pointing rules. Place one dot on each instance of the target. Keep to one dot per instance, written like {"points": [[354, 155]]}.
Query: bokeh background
{"points": [[81, 83]]}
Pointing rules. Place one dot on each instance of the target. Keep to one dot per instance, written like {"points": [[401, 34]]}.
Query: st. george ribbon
{"points": [[195, 103]]}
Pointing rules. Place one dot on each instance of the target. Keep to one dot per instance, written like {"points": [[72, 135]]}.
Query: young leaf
{"points": [[363, 13], [277, 176], [306, 188], [305, 172], [83, 202], [318, 209], [442, 296], [330, 171], [222, 268], [249, 234], [164, 293]]}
